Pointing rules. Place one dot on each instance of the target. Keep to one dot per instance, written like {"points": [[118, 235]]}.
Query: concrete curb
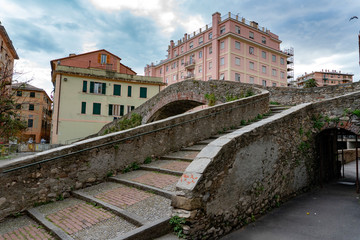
{"points": [[153, 230], [134, 219], [40, 218], [143, 187]]}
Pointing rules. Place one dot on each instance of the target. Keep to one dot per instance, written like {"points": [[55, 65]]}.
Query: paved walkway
{"points": [[332, 212]]}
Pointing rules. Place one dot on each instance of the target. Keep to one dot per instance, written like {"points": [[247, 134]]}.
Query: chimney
{"points": [[72, 54]]}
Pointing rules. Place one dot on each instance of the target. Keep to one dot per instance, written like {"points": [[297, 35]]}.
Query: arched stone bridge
{"points": [[232, 179]]}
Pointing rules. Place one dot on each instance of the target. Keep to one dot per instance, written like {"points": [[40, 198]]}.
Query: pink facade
{"points": [[100, 59], [325, 78], [230, 49]]}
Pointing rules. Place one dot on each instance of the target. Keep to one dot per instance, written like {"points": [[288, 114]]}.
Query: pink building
{"points": [[231, 48], [325, 78]]}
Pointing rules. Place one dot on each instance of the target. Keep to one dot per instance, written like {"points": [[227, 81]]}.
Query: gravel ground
{"points": [[10, 224], [152, 208], [100, 188], [57, 206], [104, 230]]}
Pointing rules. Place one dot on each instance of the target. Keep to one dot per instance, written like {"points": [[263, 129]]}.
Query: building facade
{"points": [[325, 78], [34, 107], [230, 48], [91, 90], [7, 53]]}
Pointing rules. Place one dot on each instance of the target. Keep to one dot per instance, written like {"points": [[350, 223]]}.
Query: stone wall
{"points": [[293, 96], [185, 95], [90, 161], [245, 173], [349, 155]]}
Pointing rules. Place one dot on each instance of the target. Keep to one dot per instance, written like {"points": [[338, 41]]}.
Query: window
{"points": [[274, 84], [182, 62], [201, 40], [103, 59], [210, 35], [160, 70], [282, 75], [18, 106], [237, 77], [222, 61], [222, 29], [251, 35], [83, 107], [282, 61], [237, 29], [237, 45], [191, 45], [117, 90], [200, 54], [84, 88], [222, 45], [251, 50], [263, 40], [143, 92], [210, 50], [31, 107], [251, 79], [129, 91], [32, 94], [200, 69], [167, 68], [116, 110], [182, 49], [210, 65], [130, 108], [264, 69], [174, 77], [274, 72], [96, 108], [252, 65], [273, 58], [237, 61], [264, 83], [19, 93], [222, 76], [263, 54], [30, 123], [96, 87]]}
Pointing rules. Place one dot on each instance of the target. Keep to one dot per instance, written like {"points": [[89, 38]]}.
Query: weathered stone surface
{"points": [[185, 203], [2, 201]]}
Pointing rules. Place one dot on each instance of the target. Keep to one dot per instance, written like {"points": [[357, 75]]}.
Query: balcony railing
{"points": [[190, 76], [190, 64]]}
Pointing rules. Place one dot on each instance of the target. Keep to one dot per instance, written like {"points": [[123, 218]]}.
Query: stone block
{"points": [[185, 203]]}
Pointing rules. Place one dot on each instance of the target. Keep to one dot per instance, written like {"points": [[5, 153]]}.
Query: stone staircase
{"points": [[133, 205]]}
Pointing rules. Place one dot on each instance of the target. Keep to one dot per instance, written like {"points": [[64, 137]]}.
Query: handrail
{"points": [[131, 137]]}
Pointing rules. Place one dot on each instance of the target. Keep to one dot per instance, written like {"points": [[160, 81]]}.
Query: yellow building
{"points": [[34, 106], [85, 99]]}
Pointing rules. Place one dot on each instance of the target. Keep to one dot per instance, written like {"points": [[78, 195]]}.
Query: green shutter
{"points": [[110, 109], [97, 108], [129, 91], [84, 86], [103, 88], [143, 92], [83, 107], [92, 87], [121, 110], [132, 108], [117, 90]]}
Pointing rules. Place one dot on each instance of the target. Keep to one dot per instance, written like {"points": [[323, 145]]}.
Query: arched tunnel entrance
{"points": [[174, 108], [338, 156]]}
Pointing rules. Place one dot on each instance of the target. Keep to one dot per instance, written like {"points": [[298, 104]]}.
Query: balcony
{"points": [[190, 76], [190, 64]]}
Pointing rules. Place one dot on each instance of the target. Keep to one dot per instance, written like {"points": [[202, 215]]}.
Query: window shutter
{"points": [[91, 87], [132, 108], [99, 58], [121, 110], [143, 92], [129, 91], [108, 58], [84, 86], [110, 109], [83, 107], [103, 88], [117, 90], [97, 108]]}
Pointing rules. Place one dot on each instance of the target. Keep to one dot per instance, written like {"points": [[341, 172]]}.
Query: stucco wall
{"points": [[92, 162], [244, 173]]}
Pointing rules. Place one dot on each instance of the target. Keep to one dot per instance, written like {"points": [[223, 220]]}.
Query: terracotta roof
{"points": [[76, 55], [26, 86]]}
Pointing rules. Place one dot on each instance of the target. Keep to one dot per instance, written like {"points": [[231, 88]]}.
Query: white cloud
{"points": [[164, 12]]}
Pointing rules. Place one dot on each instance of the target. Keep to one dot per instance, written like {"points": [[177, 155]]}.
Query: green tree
{"points": [[310, 83], [11, 124]]}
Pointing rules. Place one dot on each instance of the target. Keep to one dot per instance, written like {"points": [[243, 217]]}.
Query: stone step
{"points": [[173, 167], [136, 206], [195, 147], [205, 142], [77, 219], [181, 155], [158, 183], [16, 227]]}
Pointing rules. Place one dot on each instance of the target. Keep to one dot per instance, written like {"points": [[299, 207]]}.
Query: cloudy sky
{"points": [[139, 31]]}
